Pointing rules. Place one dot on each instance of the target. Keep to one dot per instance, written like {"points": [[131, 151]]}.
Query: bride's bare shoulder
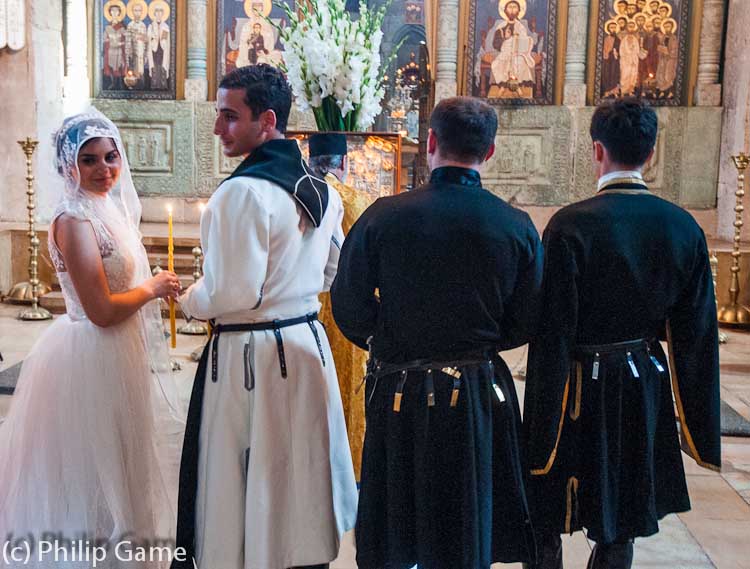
{"points": [[69, 230]]}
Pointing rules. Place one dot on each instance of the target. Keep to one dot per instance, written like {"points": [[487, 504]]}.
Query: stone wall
{"points": [[174, 156], [543, 155], [31, 104], [47, 25], [17, 109], [736, 133]]}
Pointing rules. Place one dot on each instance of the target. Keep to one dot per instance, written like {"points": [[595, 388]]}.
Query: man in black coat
{"points": [[623, 270], [436, 281]]}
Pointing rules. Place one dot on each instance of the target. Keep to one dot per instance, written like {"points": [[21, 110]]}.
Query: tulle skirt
{"points": [[85, 463]]}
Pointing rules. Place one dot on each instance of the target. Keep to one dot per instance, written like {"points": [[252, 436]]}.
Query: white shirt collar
{"points": [[619, 174]]}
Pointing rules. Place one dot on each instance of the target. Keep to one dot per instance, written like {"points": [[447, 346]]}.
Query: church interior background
{"points": [[152, 66]]}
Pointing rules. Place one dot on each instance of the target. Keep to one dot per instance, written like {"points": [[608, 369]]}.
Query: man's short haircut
{"points": [[265, 88], [465, 128], [627, 128]]}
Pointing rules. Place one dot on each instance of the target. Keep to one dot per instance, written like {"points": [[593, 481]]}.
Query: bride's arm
{"points": [[76, 240]]}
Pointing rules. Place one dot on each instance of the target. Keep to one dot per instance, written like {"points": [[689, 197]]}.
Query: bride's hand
{"points": [[164, 285]]}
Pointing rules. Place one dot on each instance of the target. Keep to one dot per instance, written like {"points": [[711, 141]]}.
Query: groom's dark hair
{"points": [[265, 88], [627, 128], [465, 128]]}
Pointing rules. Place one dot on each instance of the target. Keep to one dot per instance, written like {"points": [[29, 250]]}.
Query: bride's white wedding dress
{"points": [[81, 454], [78, 453]]}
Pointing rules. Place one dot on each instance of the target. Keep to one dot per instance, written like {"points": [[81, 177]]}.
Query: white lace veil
{"points": [[120, 213]]}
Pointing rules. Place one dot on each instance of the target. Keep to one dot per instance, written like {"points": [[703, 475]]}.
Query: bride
{"points": [[80, 454]]}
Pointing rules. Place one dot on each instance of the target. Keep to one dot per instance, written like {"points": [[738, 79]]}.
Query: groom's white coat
{"points": [[276, 487]]}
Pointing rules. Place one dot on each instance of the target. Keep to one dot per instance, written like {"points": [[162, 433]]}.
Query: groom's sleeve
{"points": [[334, 252], [235, 240]]}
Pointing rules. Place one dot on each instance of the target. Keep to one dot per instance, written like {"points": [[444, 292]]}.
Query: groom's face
{"points": [[238, 130]]}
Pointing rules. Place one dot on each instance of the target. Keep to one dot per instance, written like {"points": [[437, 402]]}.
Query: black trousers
{"points": [[603, 556]]}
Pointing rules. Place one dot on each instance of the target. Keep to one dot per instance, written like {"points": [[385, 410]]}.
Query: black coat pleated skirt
{"points": [[618, 468], [442, 486]]}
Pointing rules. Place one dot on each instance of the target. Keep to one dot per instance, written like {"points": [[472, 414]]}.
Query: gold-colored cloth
{"points": [[350, 360]]}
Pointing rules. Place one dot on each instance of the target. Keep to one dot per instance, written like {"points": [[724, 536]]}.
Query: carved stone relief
{"points": [[653, 173], [518, 156], [158, 138], [148, 146], [207, 152], [225, 164], [531, 164], [542, 157], [211, 164]]}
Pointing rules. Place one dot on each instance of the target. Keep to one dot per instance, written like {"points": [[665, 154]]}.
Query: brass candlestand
{"points": [[194, 327], [31, 291], [735, 314], [714, 260]]}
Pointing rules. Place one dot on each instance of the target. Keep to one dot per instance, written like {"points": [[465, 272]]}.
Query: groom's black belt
{"points": [[450, 367], [275, 325]]}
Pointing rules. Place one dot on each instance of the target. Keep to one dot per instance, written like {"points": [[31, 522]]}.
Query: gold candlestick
{"points": [[194, 327], [31, 291], [736, 314], [714, 260]]}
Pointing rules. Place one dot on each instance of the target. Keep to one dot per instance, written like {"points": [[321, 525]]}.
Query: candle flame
{"points": [[169, 208]]}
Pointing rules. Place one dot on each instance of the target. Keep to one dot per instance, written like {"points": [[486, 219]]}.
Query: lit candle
{"points": [[170, 267]]}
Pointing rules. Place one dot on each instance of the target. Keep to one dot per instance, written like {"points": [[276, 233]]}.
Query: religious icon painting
{"points": [[135, 49], [642, 50], [245, 34], [511, 51]]}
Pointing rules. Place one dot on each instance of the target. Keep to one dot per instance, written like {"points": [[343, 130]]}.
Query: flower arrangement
{"points": [[333, 63]]}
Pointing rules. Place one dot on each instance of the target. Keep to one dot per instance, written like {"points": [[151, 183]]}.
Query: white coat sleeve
{"points": [[235, 228], [337, 240]]}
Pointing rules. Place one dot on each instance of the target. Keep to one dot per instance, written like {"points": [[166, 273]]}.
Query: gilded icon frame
{"points": [[556, 31], [219, 39], [175, 76], [689, 48]]}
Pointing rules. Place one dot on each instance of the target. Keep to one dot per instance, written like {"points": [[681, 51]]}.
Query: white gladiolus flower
{"points": [[329, 55]]}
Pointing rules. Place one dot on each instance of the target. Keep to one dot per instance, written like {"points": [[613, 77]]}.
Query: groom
{"points": [[266, 478]]}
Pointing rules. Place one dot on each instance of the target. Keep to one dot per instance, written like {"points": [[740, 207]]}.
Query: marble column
{"points": [[446, 84], [735, 135], [18, 112], [196, 84], [76, 81], [13, 24], [708, 88], [574, 91], [49, 93]]}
